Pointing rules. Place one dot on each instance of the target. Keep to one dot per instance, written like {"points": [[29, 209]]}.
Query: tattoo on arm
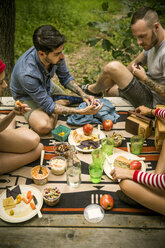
{"points": [[75, 88], [59, 109], [158, 88]]}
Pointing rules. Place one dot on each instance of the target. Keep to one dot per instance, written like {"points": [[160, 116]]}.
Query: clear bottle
{"points": [[73, 170]]}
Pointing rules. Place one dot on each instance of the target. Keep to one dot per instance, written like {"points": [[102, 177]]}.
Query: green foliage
{"points": [[116, 36], [69, 16], [104, 25]]}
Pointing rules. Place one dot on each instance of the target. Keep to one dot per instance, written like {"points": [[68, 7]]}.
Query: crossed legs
{"points": [[149, 197], [18, 147], [41, 122]]}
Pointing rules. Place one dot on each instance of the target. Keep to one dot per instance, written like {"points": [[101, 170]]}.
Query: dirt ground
{"points": [[86, 63]]}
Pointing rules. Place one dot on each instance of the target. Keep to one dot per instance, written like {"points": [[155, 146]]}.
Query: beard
{"points": [[154, 41], [49, 61]]}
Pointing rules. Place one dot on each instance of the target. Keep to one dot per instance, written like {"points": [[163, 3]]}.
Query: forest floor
{"points": [[85, 63]]}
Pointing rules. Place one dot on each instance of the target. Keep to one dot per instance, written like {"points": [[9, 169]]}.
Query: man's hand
{"points": [[90, 100], [139, 72], [121, 173], [90, 110], [143, 110], [21, 110]]}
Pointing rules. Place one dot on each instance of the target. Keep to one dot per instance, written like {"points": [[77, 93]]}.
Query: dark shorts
{"points": [[137, 94]]}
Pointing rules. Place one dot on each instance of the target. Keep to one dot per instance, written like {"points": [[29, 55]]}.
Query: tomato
{"points": [[107, 125], [107, 202], [87, 129], [135, 165]]}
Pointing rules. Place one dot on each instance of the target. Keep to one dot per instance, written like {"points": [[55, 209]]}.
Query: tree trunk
{"points": [[7, 29]]}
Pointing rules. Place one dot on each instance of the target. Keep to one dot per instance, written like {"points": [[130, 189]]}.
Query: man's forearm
{"points": [[158, 88], [62, 110], [75, 88]]}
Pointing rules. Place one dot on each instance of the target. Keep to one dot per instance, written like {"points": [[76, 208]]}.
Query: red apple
{"points": [[107, 125], [107, 202], [135, 165], [87, 129]]}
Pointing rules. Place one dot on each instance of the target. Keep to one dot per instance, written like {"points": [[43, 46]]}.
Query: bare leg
{"points": [[113, 73], [150, 198], [13, 161], [160, 167], [41, 122], [112, 91], [12, 124], [20, 140]]}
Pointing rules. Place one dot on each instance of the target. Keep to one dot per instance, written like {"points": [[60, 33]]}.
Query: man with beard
{"points": [[132, 82], [31, 82]]}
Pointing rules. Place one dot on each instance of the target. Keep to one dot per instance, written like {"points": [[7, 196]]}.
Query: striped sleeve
{"points": [[150, 179], [160, 113]]}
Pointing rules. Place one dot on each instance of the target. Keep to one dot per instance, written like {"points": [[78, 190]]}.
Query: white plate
{"points": [[80, 131], [107, 167], [26, 216]]}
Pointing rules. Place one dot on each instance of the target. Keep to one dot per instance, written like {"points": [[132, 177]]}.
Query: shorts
{"points": [[137, 94], [33, 105]]}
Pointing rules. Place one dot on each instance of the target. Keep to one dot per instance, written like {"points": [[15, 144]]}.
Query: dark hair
{"points": [[47, 38], [146, 13]]}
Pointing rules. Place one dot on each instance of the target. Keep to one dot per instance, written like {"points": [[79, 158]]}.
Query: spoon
{"points": [[41, 161]]}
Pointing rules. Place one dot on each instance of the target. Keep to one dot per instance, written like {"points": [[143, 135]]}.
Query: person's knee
{"points": [[39, 148], [43, 127], [112, 67], [125, 185], [34, 140]]}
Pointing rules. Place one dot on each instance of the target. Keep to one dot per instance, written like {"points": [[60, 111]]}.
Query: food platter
{"points": [[80, 131], [25, 212], [108, 168]]}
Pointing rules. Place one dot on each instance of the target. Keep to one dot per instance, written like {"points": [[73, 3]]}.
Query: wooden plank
{"points": [[78, 220], [80, 237], [119, 101], [7, 103]]}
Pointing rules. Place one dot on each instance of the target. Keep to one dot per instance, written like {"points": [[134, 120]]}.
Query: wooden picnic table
{"points": [[72, 230]]}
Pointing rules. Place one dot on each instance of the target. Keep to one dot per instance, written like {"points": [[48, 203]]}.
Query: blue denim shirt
{"points": [[30, 80]]}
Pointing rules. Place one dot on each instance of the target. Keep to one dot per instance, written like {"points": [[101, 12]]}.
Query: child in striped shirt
{"points": [[148, 189]]}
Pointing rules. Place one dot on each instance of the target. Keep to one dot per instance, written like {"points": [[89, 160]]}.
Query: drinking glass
{"points": [[107, 145], [98, 156], [136, 144], [73, 170], [95, 172], [73, 175]]}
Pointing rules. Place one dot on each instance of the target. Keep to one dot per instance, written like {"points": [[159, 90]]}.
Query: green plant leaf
{"points": [[129, 50], [116, 53], [105, 6], [106, 44], [92, 41], [92, 24], [126, 43]]}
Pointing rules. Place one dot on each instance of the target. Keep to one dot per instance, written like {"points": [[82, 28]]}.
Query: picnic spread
{"points": [[62, 197]]}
